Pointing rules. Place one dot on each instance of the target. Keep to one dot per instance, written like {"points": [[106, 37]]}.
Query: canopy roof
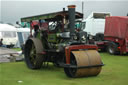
{"points": [[51, 16]]}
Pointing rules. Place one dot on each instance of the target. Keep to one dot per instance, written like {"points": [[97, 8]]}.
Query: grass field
{"points": [[17, 49], [115, 72]]}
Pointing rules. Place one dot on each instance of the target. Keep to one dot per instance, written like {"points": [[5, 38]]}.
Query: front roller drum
{"points": [[89, 60]]}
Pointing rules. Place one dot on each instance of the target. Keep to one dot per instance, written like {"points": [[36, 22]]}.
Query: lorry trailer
{"points": [[115, 35]]}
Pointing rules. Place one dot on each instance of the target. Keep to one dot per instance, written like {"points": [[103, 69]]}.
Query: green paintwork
{"points": [[49, 16], [52, 38], [25, 24], [38, 35], [37, 18]]}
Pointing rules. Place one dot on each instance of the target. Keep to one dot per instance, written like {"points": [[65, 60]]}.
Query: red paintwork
{"points": [[101, 44], [68, 50], [116, 26], [116, 30], [34, 23]]}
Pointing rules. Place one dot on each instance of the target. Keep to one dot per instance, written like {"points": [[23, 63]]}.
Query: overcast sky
{"points": [[12, 10]]}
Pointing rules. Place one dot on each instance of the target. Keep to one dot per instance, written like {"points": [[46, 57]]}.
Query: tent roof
{"points": [[6, 27]]}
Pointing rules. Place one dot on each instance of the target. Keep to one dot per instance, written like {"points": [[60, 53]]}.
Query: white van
{"points": [[9, 35]]}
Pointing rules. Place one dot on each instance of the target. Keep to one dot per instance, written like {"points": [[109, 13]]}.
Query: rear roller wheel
{"points": [[84, 58], [33, 57]]}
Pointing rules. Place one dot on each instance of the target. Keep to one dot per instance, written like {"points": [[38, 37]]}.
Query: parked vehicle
{"points": [[95, 25], [115, 35], [9, 35]]}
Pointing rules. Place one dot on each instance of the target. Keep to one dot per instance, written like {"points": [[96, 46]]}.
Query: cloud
{"points": [[12, 11]]}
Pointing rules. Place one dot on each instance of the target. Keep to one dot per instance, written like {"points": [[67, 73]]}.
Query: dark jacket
{"points": [[1, 43]]}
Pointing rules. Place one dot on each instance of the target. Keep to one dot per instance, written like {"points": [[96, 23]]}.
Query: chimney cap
{"points": [[71, 6]]}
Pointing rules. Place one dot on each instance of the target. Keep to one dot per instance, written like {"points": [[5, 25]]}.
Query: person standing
{"points": [[34, 25], [1, 42]]}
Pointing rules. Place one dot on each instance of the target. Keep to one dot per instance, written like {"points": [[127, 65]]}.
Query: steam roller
{"points": [[59, 38]]}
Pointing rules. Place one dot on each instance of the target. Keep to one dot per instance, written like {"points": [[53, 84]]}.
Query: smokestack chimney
{"points": [[71, 13]]}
